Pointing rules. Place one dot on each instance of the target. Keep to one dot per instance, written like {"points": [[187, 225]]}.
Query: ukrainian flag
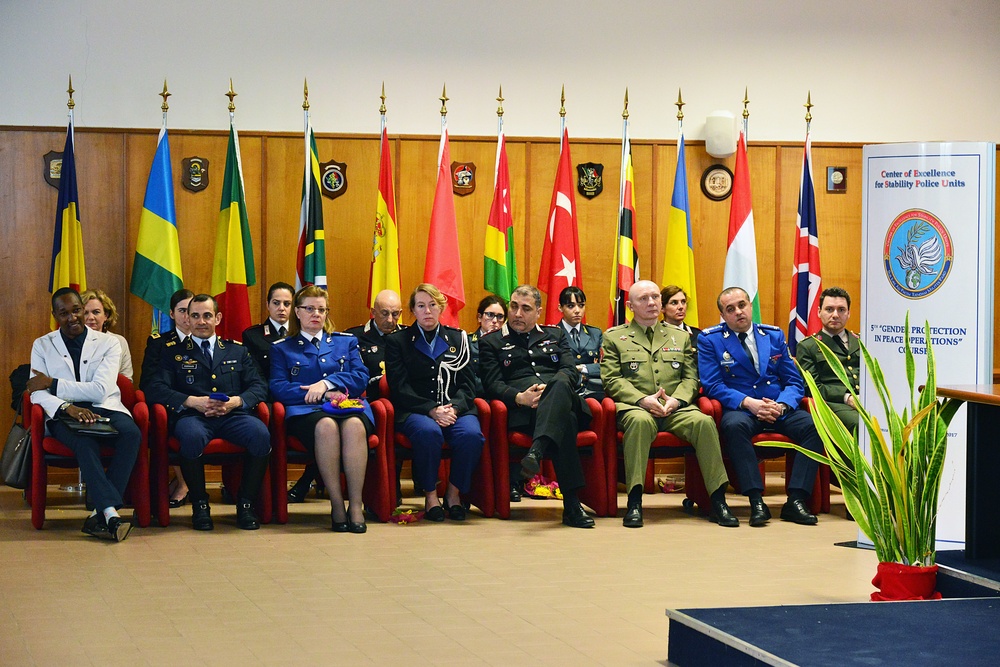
{"points": [[678, 256], [156, 269], [68, 268]]}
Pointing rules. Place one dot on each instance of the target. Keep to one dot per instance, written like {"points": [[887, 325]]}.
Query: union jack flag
{"points": [[803, 320]]}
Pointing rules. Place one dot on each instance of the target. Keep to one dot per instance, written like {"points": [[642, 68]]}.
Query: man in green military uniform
{"points": [[834, 311], [648, 368]]}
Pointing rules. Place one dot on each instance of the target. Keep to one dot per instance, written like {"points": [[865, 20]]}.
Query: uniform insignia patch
{"points": [[294, 370], [506, 362], [623, 338], [267, 329], [452, 349], [555, 357], [676, 364], [374, 349], [633, 366], [178, 358], [189, 379], [727, 356]]}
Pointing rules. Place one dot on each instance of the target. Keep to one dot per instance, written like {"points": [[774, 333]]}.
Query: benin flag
{"points": [[156, 269], [68, 268], [232, 270], [626, 269], [499, 263], [741, 255], [678, 256], [385, 240]]}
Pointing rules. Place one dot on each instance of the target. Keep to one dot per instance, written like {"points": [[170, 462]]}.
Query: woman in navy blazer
{"points": [[432, 388], [315, 365]]}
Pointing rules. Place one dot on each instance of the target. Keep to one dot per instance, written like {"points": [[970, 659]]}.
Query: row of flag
{"points": [[156, 270]]}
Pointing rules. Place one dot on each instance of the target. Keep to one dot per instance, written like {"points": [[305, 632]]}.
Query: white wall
{"points": [[894, 70]]}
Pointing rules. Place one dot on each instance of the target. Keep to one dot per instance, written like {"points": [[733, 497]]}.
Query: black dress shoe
{"points": [[245, 517], [178, 502], [455, 512], [435, 514], [759, 514], [515, 493], [201, 515], [633, 517], [118, 528], [95, 526], [576, 517], [531, 463], [297, 494], [796, 512], [338, 526], [357, 527], [721, 515]]}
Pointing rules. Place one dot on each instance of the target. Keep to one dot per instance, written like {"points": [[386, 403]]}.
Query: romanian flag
{"points": [[233, 270], [68, 268], [310, 261], [499, 263], [156, 269], [741, 254], [443, 268], [626, 269], [385, 241], [678, 256], [804, 320], [561, 251]]}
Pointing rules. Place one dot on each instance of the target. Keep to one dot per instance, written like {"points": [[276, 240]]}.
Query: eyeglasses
{"points": [[493, 316], [314, 309]]}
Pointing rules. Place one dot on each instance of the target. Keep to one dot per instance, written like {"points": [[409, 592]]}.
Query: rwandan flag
{"points": [[499, 263], [233, 270], [310, 262], [678, 256], [68, 268], [156, 269]]}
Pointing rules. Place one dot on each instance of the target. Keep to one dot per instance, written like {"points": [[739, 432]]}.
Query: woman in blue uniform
{"points": [[314, 366], [431, 386]]}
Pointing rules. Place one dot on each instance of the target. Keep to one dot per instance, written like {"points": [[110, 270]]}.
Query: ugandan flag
{"points": [[626, 268], [156, 269], [68, 268], [499, 263], [310, 262], [232, 269]]}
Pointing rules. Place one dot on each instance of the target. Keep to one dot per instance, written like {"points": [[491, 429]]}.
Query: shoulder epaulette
{"points": [[154, 336], [550, 326], [281, 340], [854, 334], [713, 329], [341, 333], [769, 327], [617, 327]]}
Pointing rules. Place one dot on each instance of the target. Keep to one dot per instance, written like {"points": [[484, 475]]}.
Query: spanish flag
{"points": [[626, 269], [156, 269], [385, 240], [499, 263], [68, 268], [233, 270]]}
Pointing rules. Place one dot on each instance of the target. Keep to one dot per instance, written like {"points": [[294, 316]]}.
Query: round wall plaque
{"points": [[717, 182]]}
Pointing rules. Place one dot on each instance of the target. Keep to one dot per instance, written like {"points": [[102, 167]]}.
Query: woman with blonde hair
{"points": [[313, 371], [100, 314]]}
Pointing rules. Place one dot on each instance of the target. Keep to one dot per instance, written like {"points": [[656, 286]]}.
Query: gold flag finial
{"points": [[746, 101], [381, 108], [231, 95], [562, 102], [500, 102], [305, 94], [809, 105], [680, 106], [165, 94], [444, 98], [70, 90], [625, 112]]}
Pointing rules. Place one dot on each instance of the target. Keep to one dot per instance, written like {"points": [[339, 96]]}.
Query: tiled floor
{"points": [[522, 592]]}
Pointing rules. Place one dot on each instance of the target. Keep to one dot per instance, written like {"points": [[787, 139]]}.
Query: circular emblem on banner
{"points": [[917, 254]]}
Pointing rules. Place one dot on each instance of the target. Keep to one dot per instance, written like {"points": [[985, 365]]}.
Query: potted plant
{"points": [[894, 495]]}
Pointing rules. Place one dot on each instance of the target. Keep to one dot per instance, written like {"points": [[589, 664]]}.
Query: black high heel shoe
{"points": [[179, 502]]}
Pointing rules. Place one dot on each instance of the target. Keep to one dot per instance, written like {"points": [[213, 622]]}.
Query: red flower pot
{"points": [[896, 581]]}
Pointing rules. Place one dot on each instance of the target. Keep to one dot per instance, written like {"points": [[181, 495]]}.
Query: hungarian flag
{"points": [[741, 255], [232, 270], [310, 261], [626, 269], [499, 263], [561, 251], [443, 267], [806, 275], [385, 241], [156, 269], [68, 268], [678, 256]]}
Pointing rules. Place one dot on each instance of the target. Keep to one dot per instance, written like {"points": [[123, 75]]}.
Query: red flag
{"points": [[561, 252], [443, 267]]}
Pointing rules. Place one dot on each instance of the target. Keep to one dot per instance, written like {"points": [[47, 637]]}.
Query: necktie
{"points": [[575, 335], [840, 342], [649, 334], [206, 349], [429, 336], [282, 331], [746, 347], [315, 342]]}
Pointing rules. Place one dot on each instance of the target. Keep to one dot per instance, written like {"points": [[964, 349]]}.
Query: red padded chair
{"points": [[287, 449], [165, 452], [665, 446], [482, 493], [47, 451], [819, 499], [507, 444]]}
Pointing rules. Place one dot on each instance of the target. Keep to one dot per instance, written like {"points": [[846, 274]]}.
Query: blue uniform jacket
{"points": [[296, 362], [728, 374]]}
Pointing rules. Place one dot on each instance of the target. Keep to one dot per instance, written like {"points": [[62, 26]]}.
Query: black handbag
{"points": [[15, 464]]}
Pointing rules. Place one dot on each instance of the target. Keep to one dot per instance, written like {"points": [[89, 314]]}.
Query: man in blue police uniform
{"points": [[259, 338], [747, 368], [210, 387], [584, 341]]}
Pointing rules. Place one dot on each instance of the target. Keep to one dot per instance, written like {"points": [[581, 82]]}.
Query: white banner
{"points": [[927, 248]]}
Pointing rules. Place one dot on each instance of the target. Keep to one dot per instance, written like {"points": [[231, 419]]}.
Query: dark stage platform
{"points": [[954, 632]]}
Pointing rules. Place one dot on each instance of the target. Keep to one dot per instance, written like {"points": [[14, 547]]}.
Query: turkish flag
{"points": [[561, 253], [443, 267]]}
